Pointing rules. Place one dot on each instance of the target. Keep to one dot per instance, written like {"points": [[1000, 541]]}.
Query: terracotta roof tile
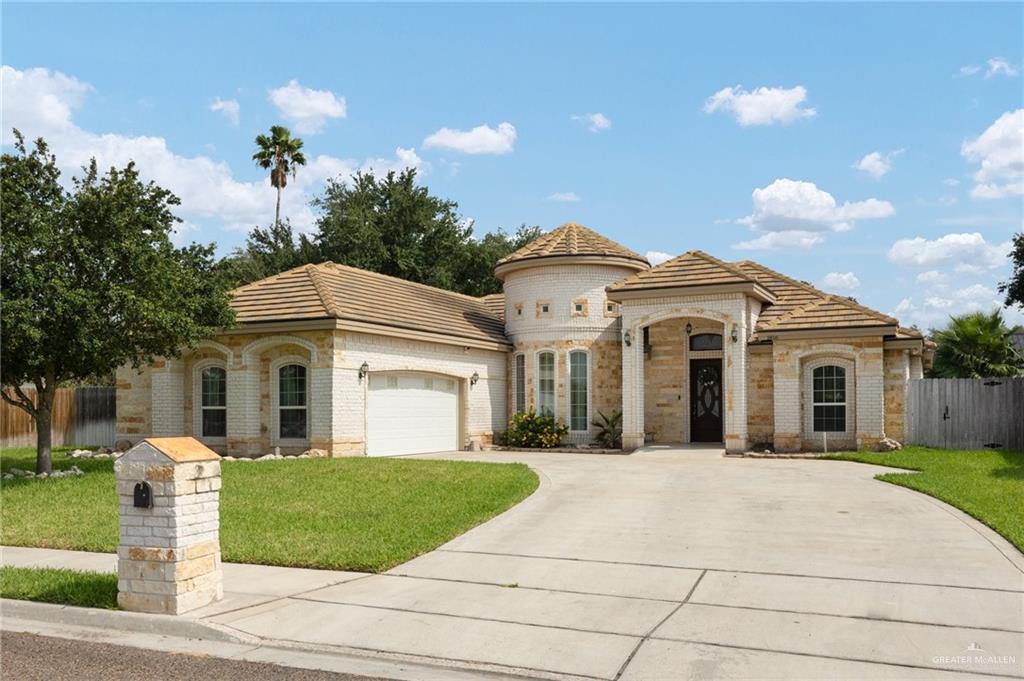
{"points": [[572, 239], [329, 290], [694, 268], [495, 302]]}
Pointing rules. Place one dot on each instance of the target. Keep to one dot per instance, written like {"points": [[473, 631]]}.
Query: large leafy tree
{"points": [[91, 281], [475, 272], [1014, 286], [976, 345], [281, 154], [267, 251]]}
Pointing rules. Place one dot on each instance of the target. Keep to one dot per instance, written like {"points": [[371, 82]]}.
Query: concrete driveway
{"points": [[679, 563]]}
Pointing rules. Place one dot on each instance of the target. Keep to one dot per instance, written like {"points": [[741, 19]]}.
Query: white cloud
{"points": [[307, 109], [999, 66], [969, 70], [1000, 151], [876, 164], [932, 278], [39, 102], [564, 197], [788, 239], [763, 106], [657, 257], [967, 248], [933, 307], [840, 281], [795, 210], [951, 182], [228, 107], [595, 122], [482, 139]]}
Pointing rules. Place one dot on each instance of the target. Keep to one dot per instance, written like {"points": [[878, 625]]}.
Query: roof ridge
{"points": [[264, 280], [326, 298], [404, 281], [725, 265], [796, 312], [796, 282]]}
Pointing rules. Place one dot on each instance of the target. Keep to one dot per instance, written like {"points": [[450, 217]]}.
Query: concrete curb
{"points": [[164, 625]]}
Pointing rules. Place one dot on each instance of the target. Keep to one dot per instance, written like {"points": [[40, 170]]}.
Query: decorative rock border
{"points": [[308, 454], [19, 473], [101, 453]]}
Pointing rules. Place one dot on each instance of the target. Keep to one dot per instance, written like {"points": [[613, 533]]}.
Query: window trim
{"points": [[275, 402], [587, 375], [814, 403], [808, 365], [197, 399], [700, 334], [554, 380], [518, 391]]}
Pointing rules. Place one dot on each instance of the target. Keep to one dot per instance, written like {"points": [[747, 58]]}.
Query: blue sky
{"points": [[875, 150]]}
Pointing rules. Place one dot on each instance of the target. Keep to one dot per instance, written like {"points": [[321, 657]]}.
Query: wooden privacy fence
{"points": [[966, 413], [81, 416]]}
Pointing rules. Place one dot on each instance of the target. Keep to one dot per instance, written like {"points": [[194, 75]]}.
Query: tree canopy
{"points": [[384, 224], [1014, 286], [90, 280], [976, 345]]}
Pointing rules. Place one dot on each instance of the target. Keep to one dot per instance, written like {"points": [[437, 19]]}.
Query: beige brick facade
{"points": [[760, 396]]}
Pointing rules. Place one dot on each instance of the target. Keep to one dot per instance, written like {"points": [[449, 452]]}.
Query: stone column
{"points": [[168, 558], [633, 391], [786, 379], [870, 396], [735, 385], [168, 397]]}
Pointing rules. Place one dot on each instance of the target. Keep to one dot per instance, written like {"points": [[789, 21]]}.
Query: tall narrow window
{"points": [[291, 402], [520, 384], [546, 383], [829, 399], [578, 390], [214, 402]]}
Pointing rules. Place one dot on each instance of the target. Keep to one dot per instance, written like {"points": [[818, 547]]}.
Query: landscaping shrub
{"points": [[534, 430], [609, 430]]}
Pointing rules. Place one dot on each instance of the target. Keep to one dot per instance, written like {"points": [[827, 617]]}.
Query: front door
{"points": [[706, 400]]}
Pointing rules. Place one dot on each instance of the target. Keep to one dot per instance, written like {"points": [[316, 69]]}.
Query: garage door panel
{"points": [[410, 413]]}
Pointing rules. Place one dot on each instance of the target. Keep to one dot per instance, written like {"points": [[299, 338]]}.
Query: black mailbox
{"points": [[143, 495]]}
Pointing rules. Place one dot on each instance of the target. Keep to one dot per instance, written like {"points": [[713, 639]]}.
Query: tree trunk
{"points": [[44, 438], [277, 213]]}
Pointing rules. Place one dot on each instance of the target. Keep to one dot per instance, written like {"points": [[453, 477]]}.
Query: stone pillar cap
{"points": [[178, 449]]}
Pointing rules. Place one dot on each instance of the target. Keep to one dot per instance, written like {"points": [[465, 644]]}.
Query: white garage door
{"points": [[408, 413]]}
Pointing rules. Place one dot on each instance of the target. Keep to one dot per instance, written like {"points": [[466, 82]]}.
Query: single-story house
{"points": [[692, 350]]}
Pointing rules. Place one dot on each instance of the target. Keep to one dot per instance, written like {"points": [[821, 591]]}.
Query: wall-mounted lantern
{"points": [[474, 378], [735, 335], [363, 370], [627, 338], [689, 328]]}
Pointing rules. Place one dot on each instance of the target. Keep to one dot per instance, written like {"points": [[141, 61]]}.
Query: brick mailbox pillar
{"points": [[168, 559]]}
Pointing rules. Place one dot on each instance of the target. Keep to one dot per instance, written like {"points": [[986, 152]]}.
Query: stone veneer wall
{"points": [[760, 395], [133, 403], [791, 402], [897, 374]]}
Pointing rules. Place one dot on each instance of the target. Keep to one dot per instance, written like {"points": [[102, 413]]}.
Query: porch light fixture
{"points": [[627, 339], [735, 335], [363, 370], [474, 378], [689, 328]]}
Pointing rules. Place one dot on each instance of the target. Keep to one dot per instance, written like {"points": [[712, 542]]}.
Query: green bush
{"points": [[609, 430], [534, 430]]}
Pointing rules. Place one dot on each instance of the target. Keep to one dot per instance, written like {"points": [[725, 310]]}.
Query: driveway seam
{"points": [[836, 657], [648, 635], [737, 571]]}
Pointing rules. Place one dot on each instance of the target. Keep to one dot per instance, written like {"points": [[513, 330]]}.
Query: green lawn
{"points": [[54, 585], [988, 484], [346, 514]]}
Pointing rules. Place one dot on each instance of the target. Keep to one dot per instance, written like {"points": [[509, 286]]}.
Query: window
{"points": [[578, 307], [578, 390], [829, 399], [520, 384], [545, 308], [611, 309], [214, 403], [291, 394], [546, 383], [705, 341]]}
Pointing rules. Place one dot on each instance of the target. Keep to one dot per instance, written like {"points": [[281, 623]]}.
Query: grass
{"points": [[359, 514], [55, 585], [987, 484]]}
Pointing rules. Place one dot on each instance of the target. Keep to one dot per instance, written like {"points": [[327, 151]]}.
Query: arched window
{"points": [[291, 402], [546, 383], [829, 399], [578, 391], [705, 341], [213, 402], [520, 383]]}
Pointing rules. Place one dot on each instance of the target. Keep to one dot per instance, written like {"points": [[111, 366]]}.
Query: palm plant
{"points": [[977, 345], [609, 430], [282, 154]]}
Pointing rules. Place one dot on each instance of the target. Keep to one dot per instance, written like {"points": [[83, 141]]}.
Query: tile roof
{"points": [[694, 268], [573, 239], [329, 290], [495, 302]]}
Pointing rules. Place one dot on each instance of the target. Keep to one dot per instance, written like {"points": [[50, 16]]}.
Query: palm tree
{"points": [[281, 154], [977, 345]]}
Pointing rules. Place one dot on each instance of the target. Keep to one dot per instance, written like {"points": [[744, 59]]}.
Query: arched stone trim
{"points": [[683, 311], [808, 363], [536, 385], [275, 398], [207, 344], [252, 351], [197, 398]]}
